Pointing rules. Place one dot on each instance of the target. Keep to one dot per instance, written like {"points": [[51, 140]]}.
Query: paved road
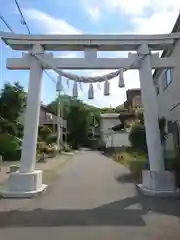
{"points": [[94, 198]]}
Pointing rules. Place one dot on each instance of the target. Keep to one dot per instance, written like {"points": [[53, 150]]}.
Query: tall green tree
{"points": [[80, 119], [12, 101]]}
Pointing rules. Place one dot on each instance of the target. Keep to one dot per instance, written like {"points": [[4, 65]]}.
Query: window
{"points": [[49, 116], [168, 77]]}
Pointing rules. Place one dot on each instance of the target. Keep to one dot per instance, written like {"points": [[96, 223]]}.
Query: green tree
{"points": [[108, 110], [12, 101], [120, 109], [80, 118], [137, 137]]}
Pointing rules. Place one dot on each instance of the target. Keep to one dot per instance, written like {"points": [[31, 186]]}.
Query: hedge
{"points": [[12, 156]]}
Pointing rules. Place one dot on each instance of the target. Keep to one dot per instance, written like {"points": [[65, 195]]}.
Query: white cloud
{"points": [[50, 24], [161, 17], [94, 13], [146, 17], [128, 6], [133, 7], [157, 23], [92, 9]]}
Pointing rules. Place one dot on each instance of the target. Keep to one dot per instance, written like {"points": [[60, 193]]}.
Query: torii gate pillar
{"points": [[156, 181], [28, 181]]}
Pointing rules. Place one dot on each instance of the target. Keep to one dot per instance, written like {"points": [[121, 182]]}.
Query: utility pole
{"points": [[61, 123], [58, 89]]}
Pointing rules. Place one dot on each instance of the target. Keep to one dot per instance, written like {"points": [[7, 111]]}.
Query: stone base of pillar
{"points": [[23, 185], [158, 184]]}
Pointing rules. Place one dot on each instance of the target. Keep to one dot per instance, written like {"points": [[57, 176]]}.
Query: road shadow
{"points": [[129, 178], [125, 178], [119, 213]]}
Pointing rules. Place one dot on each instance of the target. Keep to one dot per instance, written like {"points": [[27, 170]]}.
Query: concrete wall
{"points": [[170, 97], [108, 123], [111, 138], [117, 140]]}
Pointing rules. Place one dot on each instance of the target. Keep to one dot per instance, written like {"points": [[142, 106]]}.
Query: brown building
{"points": [[133, 99], [46, 117]]}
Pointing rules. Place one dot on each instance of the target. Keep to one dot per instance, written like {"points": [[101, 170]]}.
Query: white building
{"points": [[110, 137], [167, 83]]}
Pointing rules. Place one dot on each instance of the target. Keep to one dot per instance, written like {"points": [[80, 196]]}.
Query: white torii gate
{"points": [[28, 181]]}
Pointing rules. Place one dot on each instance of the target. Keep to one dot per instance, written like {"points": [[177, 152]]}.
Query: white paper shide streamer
{"points": [[106, 88], [121, 78], [59, 86], [91, 91], [75, 89]]}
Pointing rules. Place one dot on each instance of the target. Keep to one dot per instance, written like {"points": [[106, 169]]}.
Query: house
{"points": [[111, 137], [133, 99], [113, 132], [167, 83], [47, 117]]}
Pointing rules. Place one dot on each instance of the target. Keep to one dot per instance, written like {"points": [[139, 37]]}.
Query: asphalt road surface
{"points": [[94, 198]]}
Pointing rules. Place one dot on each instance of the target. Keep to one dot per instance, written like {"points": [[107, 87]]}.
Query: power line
{"points": [[23, 21], [5, 22]]}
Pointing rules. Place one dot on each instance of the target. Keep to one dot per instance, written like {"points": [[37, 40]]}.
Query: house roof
{"points": [[169, 50], [48, 109]]}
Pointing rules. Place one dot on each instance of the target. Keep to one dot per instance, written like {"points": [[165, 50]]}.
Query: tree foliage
{"points": [[120, 109], [44, 132], [12, 101], [137, 137], [81, 119]]}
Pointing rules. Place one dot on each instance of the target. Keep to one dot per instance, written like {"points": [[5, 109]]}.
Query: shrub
{"points": [[44, 132], [66, 147], [8, 143], [137, 165], [52, 151], [41, 147], [52, 138], [137, 137], [134, 160], [14, 155]]}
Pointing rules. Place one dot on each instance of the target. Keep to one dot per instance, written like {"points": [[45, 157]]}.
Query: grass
{"points": [[133, 159]]}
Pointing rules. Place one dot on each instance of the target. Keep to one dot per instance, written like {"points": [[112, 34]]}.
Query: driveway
{"points": [[93, 198]]}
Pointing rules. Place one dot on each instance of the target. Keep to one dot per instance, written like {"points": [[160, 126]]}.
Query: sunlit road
{"points": [[93, 198]]}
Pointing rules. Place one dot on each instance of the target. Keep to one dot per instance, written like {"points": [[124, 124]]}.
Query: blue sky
{"points": [[85, 16]]}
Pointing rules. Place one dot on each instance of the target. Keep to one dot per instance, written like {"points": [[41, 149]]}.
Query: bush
{"points": [[41, 147], [136, 166], [52, 138], [137, 137], [66, 147], [14, 155], [44, 132], [134, 160], [9, 143]]}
